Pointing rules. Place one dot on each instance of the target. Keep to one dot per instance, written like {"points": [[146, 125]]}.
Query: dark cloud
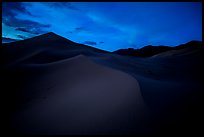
{"points": [[21, 37], [35, 30], [13, 22], [45, 25], [32, 31], [61, 5], [90, 43], [26, 25], [78, 29], [6, 40], [10, 9], [23, 29], [70, 6]]}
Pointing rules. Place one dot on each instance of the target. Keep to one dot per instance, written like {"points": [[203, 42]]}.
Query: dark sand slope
{"points": [[77, 96], [52, 85]]}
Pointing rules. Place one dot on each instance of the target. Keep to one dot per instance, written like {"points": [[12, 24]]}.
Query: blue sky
{"points": [[106, 25]]}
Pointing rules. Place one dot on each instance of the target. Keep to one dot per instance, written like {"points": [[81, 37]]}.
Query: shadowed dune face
{"points": [[78, 96]]}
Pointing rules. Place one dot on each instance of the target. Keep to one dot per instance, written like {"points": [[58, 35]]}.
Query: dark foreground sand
{"points": [[53, 86]]}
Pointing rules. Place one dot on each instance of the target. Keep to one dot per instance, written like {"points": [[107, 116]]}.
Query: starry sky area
{"points": [[105, 25]]}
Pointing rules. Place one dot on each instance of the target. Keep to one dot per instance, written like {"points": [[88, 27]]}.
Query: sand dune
{"points": [[77, 96], [56, 86]]}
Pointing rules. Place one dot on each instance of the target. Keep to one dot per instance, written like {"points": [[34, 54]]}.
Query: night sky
{"points": [[105, 25]]}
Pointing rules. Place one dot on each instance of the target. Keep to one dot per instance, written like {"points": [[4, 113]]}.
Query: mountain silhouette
{"points": [[148, 51], [50, 39], [49, 46]]}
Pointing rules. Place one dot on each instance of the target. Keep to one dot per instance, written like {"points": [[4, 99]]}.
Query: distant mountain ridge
{"points": [[51, 39], [150, 50]]}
